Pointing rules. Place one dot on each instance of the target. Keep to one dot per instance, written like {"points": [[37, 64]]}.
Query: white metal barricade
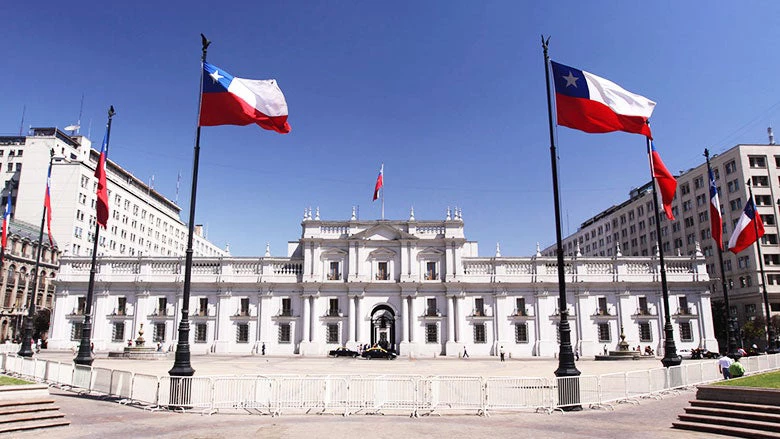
{"points": [[82, 377], [144, 390], [101, 381], [613, 387], [121, 384], [185, 393], [517, 393], [28, 368], [454, 393], [376, 394], [243, 392]]}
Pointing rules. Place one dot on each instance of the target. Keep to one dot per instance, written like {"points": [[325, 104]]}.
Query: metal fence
{"points": [[348, 394]]}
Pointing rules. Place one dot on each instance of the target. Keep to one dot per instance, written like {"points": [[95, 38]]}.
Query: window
{"points": [[284, 333], [333, 271], [121, 305], [244, 310], [203, 306], [733, 185], [159, 332], [431, 310], [763, 200], [118, 333], [743, 261], [75, 331], [685, 189], [162, 306], [683, 302], [604, 332], [242, 333], [286, 307], [81, 305], [381, 271], [333, 333], [698, 182], [643, 310], [479, 333], [731, 167], [760, 180], [333, 307], [200, 332], [757, 161], [750, 308], [686, 334], [736, 204], [431, 333], [479, 307], [520, 306], [644, 332], [602, 310], [430, 271], [521, 333]]}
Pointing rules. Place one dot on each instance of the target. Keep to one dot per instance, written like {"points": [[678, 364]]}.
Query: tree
{"points": [[754, 331], [41, 323]]}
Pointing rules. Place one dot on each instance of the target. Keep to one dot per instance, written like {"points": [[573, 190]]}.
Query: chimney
{"points": [[199, 229], [771, 136]]}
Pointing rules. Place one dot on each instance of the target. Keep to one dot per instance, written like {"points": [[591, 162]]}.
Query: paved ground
{"points": [[96, 418]]}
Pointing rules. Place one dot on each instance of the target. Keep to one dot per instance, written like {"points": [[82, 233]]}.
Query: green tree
{"points": [[754, 331]]}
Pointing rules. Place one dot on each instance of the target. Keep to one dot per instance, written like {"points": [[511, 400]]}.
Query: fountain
{"points": [[139, 351], [624, 351]]}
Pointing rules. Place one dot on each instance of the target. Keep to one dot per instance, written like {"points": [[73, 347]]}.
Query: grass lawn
{"points": [[10, 381], [769, 380]]}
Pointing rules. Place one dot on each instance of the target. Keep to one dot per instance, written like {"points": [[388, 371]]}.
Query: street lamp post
{"points": [[26, 349]]}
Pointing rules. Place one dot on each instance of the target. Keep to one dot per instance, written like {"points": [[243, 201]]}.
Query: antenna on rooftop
{"points": [[21, 125], [771, 136]]}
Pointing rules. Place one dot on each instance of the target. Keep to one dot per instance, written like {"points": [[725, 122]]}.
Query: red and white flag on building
{"points": [[379, 182]]}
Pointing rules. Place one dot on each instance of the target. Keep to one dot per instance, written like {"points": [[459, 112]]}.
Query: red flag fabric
{"points": [[379, 182], [6, 219], [101, 207], [716, 221], [667, 184]]}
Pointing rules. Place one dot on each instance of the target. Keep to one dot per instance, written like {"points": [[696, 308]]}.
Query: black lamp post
{"points": [[26, 349]]}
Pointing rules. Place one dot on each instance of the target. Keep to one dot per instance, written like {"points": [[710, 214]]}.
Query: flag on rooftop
{"points": [[380, 182], [101, 207], [593, 104], [47, 206], [227, 100], [716, 221], [748, 229], [667, 184]]}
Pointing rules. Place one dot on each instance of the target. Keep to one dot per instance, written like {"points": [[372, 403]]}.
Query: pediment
{"points": [[382, 254], [382, 232], [429, 253], [333, 254]]}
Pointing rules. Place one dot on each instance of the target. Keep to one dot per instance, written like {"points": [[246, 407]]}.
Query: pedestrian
{"points": [[38, 344], [736, 369], [723, 366], [262, 349], [576, 355], [465, 354], [501, 353], [605, 349], [92, 348]]}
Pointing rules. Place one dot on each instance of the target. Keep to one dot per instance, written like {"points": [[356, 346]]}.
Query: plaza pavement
{"points": [[95, 418]]}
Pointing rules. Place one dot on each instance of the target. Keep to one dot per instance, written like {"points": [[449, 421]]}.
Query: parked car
{"points": [[342, 352], [703, 353], [377, 352]]}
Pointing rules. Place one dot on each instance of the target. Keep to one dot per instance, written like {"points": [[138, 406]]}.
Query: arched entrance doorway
{"points": [[383, 327]]}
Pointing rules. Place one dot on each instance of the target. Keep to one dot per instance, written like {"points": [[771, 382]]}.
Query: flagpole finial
{"points": [[205, 45], [111, 111]]}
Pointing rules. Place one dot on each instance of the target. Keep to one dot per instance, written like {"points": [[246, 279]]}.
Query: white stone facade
{"points": [[419, 285]]}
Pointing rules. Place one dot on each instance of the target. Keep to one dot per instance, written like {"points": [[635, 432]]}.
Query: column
{"points": [[404, 319], [450, 319], [351, 319], [306, 319], [314, 329], [411, 319], [457, 303], [358, 319]]}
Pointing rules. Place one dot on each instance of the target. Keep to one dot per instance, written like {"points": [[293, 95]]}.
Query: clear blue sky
{"points": [[449, 95]]}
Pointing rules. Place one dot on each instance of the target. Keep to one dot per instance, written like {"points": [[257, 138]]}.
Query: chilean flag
{"points": [[101, 206], [716, 221], [47, 206], [227, 100], [380, 182], [6, 219], [748, 229], [667, 184], [592, 104]]}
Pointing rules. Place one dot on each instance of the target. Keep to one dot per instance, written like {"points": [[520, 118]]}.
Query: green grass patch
{"points": [[5, 380], [769, 380]]}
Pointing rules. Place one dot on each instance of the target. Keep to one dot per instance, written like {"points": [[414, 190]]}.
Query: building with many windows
{"points": [[142, 222], [418, 287], [630, 226]]}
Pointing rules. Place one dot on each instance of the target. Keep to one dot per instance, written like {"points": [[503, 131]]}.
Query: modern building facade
{"points": [[418, 287], [631, 225], [18, 277], [142, 222]]}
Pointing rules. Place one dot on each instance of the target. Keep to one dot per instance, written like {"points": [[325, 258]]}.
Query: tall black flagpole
{"points": [[26, 349], [181, 363], [771, 347], [566, 366], [731, 320], [670, 350], [84, 357]]}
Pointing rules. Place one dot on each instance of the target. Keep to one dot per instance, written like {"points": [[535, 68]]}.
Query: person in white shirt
{"points": [[723, 365]]}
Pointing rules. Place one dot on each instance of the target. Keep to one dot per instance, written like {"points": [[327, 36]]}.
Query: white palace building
{"points": [[418, 287]]}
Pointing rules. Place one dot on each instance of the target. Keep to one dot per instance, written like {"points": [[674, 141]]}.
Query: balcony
{"points": [[521, 314], [431, 314], [602, 312], [479, 312], [382, 276], [334, 313], [645, 313], [685, 312], [160, 314], [334, 276], [242, 314], [431, 276], [557, 314]]}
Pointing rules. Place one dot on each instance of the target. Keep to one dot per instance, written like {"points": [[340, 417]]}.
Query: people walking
{"points": [[262, 349], [723, 366], [501, 353], [465, 354]]}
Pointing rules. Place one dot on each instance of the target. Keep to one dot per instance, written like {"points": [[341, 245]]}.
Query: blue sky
{"points": [[449, 95]]}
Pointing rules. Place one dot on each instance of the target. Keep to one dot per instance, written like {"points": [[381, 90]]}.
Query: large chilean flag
{"points": [[592, 104], [716, 221], [748, 229], [227, 100]]}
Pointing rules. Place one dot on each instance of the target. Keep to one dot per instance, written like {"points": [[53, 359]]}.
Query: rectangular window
{"points": [[333, 307], [381, 271], [162, 306], [431, 310], [686, 334], [200, 332], [479, 307], [431, 333], [75, 331], [284, 333], [757, 161], [333, 333], [244, 311], [520, 306], [645, 335], [430, 271], [286, 307], [118, 333], [643, 310], [242, 333], [333, 272], [684, 305], [604, 332], [479, 333], [521, 333], [159, 332], [121, 305], [750, 308], [203, 306], [81, 305]]}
